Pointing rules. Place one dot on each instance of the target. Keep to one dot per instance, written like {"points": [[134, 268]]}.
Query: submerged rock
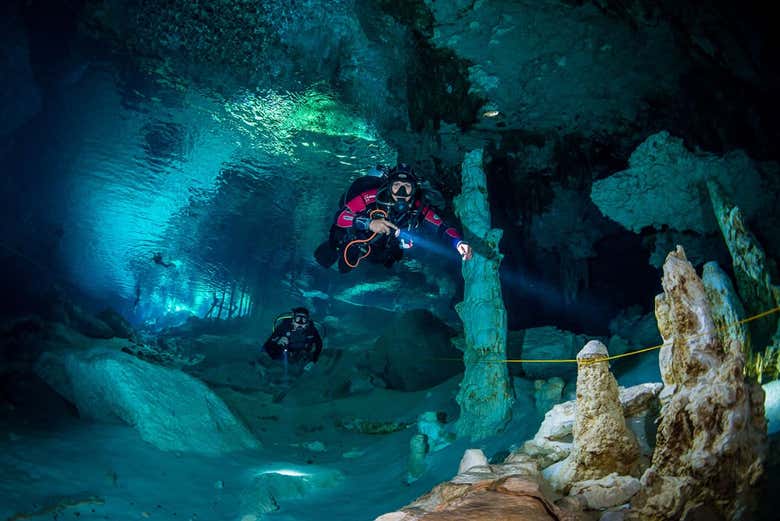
{"points": [[549, 343], [547, 393], [371, 426], [603, 444], [751, 267], [553, 440], [513, 497], [472, 458], [118, 324], [433, 426], [169, 409], [606, 492], [272, 487], [662, 186], [86, 323], [418, 448], [415, 352]]}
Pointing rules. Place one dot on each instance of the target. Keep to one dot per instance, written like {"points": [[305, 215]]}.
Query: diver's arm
{"points": [[354, 215], [279, 336], [436, 225], [317, 345], [441, 228], [271, 345]]}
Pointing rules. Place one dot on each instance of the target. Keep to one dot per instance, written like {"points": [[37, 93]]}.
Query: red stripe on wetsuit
{"points": [[432, 218], [353, 207]]}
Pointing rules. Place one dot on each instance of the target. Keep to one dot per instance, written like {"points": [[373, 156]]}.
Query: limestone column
{"points": [[485, 397]]}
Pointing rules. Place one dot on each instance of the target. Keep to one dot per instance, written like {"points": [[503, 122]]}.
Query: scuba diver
{"points": [[295, 339], [377, 218], [158, 259], [137, 297]]}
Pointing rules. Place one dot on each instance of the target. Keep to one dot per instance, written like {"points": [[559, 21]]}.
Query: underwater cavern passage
{"points": [[361, 259]]}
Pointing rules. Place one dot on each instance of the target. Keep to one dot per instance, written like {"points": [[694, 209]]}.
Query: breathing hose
{"points": [[367, 241]]}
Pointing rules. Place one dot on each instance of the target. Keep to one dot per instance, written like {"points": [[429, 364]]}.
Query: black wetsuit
{"points": [[364, 201], [303, 344]]}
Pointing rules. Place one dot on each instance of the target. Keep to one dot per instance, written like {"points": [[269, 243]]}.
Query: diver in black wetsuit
{"points": [[295, 339], [377, 218], [158, 259]]}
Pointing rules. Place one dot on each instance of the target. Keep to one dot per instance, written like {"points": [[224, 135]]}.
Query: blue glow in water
{"points": [[192, 175], [420, 241], [120, 203]]}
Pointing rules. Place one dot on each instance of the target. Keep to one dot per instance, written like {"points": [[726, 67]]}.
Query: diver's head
{"points": [[402, 184], [300, 317]]}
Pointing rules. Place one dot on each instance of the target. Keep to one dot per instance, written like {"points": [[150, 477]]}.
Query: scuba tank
{"points": [[377, 171]]}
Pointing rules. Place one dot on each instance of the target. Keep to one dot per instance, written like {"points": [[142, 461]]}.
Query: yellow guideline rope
{"points": [[630, 353]]}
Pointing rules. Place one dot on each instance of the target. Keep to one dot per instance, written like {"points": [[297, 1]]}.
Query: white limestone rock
{"points": [[472, 458], [662, 186], [170, 409], [553, 440], [603, 444], [711, 440], [606, 492]]}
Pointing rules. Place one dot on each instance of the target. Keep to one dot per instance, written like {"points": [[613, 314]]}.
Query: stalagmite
{"points": [[712, 434], [603, 444], [418, 448], [485, 396], [751, 268], [727, 310]]}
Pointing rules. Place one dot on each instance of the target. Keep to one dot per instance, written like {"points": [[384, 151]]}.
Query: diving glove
{"points": [[405, 239]]}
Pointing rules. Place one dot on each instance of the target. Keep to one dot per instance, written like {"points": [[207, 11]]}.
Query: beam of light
{"points": [[584, 306], [521, 282], [528, 285], [283, 472], [422, 242]]}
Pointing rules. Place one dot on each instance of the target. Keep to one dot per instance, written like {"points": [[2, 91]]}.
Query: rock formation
{"points": [[710, 444], [485, 395], [512, 491], [169, 409], [711, 438], [553, 441], [662, 169], [603, 444], [751, 269]]}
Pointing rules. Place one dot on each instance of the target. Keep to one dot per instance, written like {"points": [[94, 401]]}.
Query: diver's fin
{"points": [[326, 255]]}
